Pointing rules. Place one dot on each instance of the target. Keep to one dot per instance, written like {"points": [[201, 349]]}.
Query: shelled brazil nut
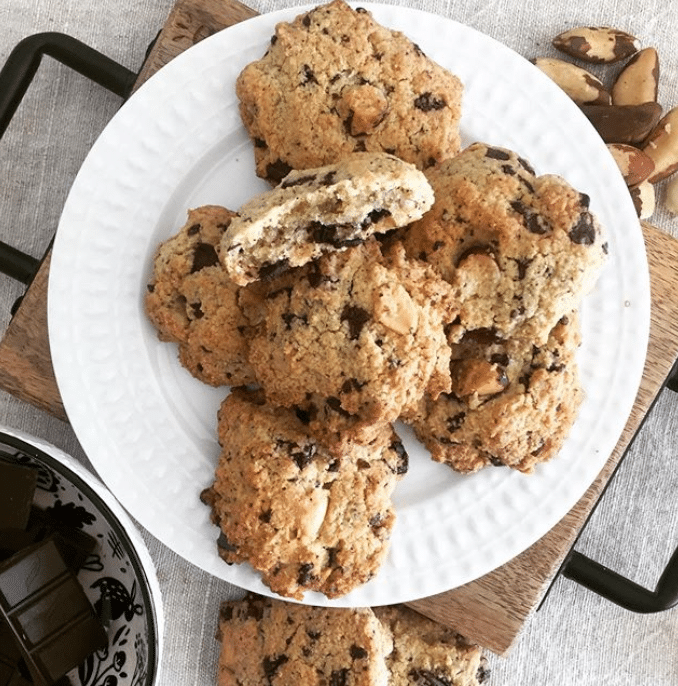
{"points": [[638, 81], [641, 136], [582, 86], [597, 44], [633, 163], [630, 124], [662, 146], [671, 195], [644, 199]]}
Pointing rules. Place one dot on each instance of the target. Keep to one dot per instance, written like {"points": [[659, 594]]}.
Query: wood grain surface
{"points": [[188, 23], [493, 609]]}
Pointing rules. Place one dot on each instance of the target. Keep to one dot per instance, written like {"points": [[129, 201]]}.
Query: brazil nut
{"points": [[662, 146], [477, 376], [584, 88], [597, 44], [638, 82], [624, 123], [634, 165], [643, 196], [671, 196]]}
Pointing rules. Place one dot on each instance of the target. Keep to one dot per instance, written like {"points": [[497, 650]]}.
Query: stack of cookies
{"points": [[269, 641], [386, 276]]}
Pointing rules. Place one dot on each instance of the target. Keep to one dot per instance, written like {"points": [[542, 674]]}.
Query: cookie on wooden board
{"points": [[268, 641]]}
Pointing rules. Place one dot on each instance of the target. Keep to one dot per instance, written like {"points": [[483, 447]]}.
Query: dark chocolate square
{"points": [[17, 487], [74, 544], [11, 660], [44, 605]]}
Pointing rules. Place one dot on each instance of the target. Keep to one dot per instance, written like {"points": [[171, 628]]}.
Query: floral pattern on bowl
{"points": [[118, 576]]}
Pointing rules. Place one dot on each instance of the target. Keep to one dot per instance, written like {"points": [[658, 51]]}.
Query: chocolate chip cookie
{"points": [[512, 402], [522, 250], [267, 641], [334, 81], [192, 301], [318, 210], [264, 640], [358, 331], [307, 518], [426, 653]]}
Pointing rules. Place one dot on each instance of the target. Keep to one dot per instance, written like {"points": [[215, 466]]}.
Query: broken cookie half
{"points": [[316, 211]]}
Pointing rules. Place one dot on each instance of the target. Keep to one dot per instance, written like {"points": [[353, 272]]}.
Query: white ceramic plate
{"points": [[149, 428]]}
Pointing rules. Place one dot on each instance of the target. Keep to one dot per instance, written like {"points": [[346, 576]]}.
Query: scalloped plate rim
{"points": [[82, 393]]}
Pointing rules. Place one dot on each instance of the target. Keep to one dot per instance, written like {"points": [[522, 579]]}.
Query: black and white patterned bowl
{"points": [[119, 573]]}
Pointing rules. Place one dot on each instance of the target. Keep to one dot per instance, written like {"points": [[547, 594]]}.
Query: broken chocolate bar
{"points": [[11, 542], [17, 487], [74, 544], [10, 659], [51, 618]]}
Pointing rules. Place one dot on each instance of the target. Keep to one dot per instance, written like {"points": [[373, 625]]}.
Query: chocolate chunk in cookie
{"points": [[321, 210]]}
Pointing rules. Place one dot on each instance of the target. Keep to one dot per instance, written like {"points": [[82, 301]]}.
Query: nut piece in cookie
{"points": [[191, 301], [512, 402], [307, 518], [320, 210], [358, 331], [426, 653], [334, 81], [521, 250], [268, 641]]}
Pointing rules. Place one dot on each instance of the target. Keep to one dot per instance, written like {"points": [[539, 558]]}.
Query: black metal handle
{"points": [[622, 591], [15, 78], [617, 588]]}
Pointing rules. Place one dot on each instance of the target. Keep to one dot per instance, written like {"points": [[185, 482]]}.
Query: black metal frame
{"points": [[16, 76], [608, 583]]}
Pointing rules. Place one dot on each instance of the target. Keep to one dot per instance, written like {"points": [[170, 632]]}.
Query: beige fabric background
{"points": [[576, 638]]}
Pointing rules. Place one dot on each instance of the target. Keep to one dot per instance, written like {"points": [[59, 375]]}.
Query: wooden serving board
{"points": [[493, 609]]}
